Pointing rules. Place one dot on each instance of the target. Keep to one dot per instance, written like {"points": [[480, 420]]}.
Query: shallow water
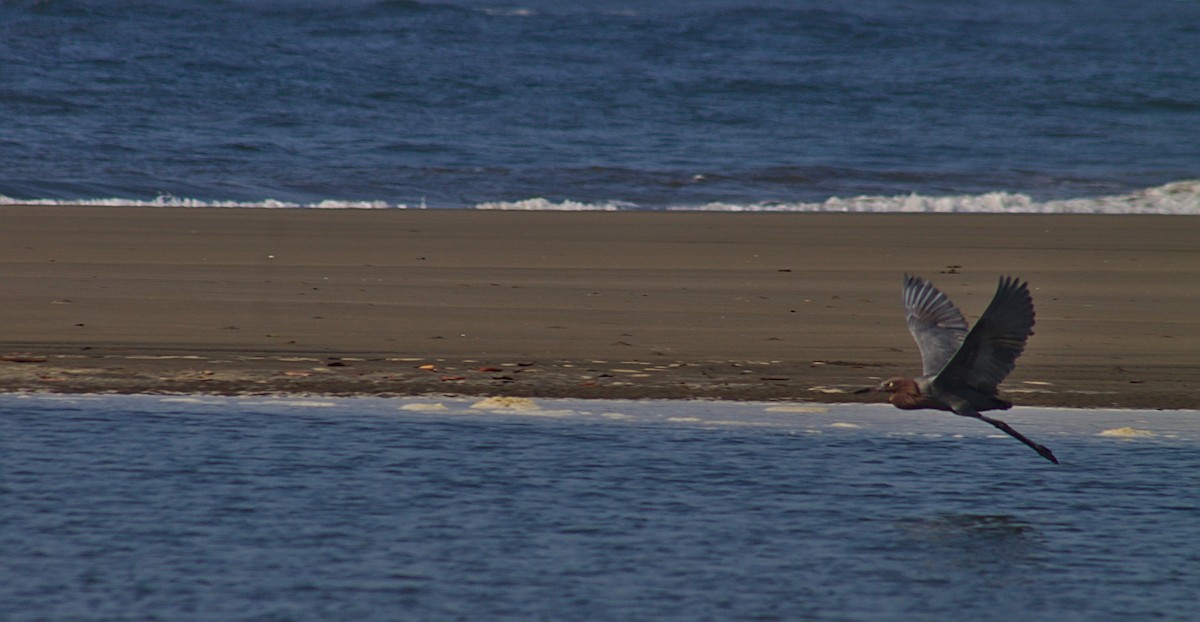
{"points": [[315, 509]]}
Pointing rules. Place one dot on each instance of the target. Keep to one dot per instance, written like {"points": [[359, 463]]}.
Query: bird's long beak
{"points": [[875, 388]]}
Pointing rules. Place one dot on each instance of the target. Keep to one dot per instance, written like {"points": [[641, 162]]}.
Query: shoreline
{"points": [[610, 305], [717, 380]]}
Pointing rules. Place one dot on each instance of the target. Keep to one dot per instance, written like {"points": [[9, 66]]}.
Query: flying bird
{"points": [[962, 369]]}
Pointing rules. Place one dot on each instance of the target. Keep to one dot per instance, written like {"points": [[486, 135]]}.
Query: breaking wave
{"points": [[173, 201], [1182, 197], [1176, 198]]}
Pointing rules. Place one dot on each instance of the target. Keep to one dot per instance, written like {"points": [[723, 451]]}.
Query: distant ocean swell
{"points": [[1176, 198]]}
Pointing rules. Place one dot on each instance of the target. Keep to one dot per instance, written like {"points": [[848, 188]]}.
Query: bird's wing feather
{"points": [[936, 324], [990, 350]]}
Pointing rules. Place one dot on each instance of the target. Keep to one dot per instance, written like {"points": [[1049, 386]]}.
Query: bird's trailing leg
{"points": [[1042, 450]]}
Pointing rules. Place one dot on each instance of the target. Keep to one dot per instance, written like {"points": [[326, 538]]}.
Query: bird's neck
{"points": [[909, 397], [909, 401]]}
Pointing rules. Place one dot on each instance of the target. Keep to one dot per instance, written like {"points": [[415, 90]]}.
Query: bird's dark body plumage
{"points": [[962, 369]]}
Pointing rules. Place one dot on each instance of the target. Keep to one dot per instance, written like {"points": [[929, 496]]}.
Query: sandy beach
{"points": [[591, 304]]}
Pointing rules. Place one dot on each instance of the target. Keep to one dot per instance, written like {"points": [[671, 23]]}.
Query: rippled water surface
{"points": [[432, 509], [605, 104]]}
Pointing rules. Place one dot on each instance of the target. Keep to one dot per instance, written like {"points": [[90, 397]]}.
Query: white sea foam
{"points": [[1180, 198], [167, 200], [544, 205], [425, 407], [190, 400], [501, 402], [1127, 432], [797, 408]]}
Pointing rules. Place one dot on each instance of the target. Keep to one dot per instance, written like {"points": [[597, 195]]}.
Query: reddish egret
{"points": [[962, 369]]}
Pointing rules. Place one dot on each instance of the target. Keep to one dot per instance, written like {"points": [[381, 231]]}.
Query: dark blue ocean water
{"points": [[720, 104], [195, 508]]}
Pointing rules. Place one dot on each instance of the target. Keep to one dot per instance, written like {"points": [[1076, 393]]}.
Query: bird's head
{"points": [[897, 385]]}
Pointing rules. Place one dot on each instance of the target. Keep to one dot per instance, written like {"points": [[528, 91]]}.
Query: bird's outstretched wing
{"points": [[990, 350], [935, 323]]}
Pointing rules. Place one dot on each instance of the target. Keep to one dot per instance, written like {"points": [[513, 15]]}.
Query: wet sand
{"points": [[612, 305]]}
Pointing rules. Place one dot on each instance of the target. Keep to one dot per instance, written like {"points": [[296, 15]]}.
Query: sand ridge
{"points": [[595, 304]]}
